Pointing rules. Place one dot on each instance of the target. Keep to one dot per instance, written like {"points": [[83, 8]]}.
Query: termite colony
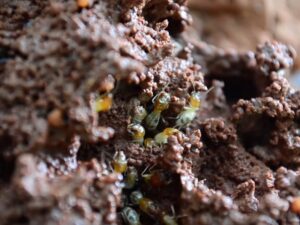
{"points": [[147, 129], [134, 203], [144, 126]]}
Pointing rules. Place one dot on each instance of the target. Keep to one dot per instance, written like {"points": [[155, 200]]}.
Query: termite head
{"points": [[119, 162], [195, 100], [162, 101], [137, 131]]}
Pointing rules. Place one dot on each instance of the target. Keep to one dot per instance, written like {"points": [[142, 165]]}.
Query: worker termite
{"points": [[137, 132], [119, 162], [130, 216], [161, 103], [104, 102], [135, 197], [146, 205], [131, 177], [189, 112], [151, 209], [162, 137], [156, 179]]}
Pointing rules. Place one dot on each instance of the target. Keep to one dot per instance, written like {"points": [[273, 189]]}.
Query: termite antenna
{"points": [[110, 167], [173, 210], [209, 90], [144, 171], [181, 216], [102, 158], [117, 85], [162, 90]]}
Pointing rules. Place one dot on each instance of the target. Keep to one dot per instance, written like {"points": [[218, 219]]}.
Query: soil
{"points": [[236, 161]]}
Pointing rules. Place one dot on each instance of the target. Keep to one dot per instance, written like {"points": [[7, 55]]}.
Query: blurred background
{"points": [[242, 24]]}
